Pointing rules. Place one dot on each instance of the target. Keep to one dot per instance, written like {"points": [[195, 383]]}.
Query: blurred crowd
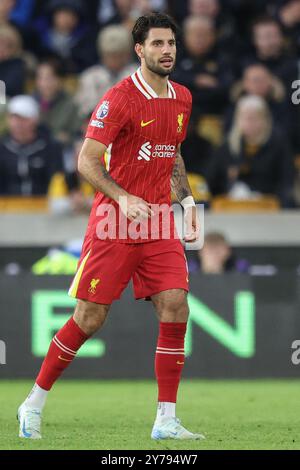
{"points": [[239, 58]]}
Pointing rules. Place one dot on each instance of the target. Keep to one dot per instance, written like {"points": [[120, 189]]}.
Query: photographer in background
{"points": [[216, 257]]}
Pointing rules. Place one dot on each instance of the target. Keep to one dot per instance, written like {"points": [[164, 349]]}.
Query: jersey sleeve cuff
{"points": [[101, 139]]}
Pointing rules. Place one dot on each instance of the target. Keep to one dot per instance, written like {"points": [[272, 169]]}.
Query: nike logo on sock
{"points": [[63, 359]]}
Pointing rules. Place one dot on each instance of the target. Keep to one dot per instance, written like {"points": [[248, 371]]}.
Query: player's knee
{"points": [[89, 316], [174, 311]]}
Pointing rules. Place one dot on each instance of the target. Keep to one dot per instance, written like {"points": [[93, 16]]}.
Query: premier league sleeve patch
{"points": [[103, 110]]}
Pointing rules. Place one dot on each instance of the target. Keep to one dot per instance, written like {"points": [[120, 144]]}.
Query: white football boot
{"points": [[30, 422], [170, 428]]}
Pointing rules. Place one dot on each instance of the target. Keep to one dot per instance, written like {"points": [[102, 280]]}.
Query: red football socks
{"points": [[169, 360], [62, 350]]}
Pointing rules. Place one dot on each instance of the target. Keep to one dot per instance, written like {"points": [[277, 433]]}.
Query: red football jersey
{"points": [[141, 132]]}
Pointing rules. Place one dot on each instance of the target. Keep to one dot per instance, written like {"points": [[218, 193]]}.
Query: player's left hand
{"points": [[192, 224]]}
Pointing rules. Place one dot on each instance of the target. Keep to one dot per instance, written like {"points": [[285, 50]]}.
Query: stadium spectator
{"points": [[63, 32], [107, 11], [6, 8], [216, 257], [57, 108], [203, 68], [126, 12], [288, 13], [12, 66], [245, 12], [18, 13], [270, 50], [22, 12], [28, 159], [215, 254], [209, 8], [257, 80], [255, 159], [114, 49], [215, 10], [101, 10]]}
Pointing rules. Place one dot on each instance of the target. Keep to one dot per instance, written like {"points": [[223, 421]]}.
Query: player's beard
{"points": [[156, 68]]}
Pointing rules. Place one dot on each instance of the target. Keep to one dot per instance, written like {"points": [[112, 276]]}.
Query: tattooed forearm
{"points": [[179, 181]]}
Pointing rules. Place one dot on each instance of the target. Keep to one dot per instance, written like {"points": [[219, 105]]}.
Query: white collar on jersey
{"points": [[146, 89]]}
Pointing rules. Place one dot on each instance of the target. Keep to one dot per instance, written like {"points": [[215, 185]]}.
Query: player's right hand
{"points": [[135, 208]]}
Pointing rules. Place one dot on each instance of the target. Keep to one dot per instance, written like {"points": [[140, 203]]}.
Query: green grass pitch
{"points": [[110, 415]]}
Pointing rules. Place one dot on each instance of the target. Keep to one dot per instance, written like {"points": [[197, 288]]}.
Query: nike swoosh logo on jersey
{"points": [[144, 124]]}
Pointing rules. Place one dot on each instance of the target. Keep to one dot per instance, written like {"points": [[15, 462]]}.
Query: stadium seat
{"points": [[23, 204], [210, 127], [263, 204], [199, 188]]}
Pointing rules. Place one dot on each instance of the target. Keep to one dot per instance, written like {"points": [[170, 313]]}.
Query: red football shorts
{"points": [[105, 268]]}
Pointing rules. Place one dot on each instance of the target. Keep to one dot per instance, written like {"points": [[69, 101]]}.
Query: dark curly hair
{"points": [[152, 20]]}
